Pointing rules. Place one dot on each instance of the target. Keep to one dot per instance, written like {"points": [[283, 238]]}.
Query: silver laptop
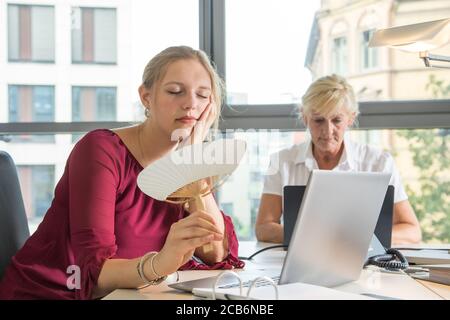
{"points": [[331, 238]]}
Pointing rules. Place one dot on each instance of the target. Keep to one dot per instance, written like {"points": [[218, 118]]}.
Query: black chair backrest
{"points": [[13, 220]]}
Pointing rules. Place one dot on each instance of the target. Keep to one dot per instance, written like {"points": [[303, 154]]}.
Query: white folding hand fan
{"points": [[187, 174]]}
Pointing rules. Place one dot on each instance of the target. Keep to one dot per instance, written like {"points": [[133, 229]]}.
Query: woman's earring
{"points": [[147, 112]]}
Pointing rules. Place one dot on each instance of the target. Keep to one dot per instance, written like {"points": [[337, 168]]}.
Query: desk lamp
{"points": [[419, 37]]}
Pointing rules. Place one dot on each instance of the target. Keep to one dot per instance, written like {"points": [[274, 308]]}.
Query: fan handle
{"points": [[198, 201]]}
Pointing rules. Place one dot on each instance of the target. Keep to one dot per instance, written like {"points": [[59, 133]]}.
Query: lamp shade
{"points": [[414, 37]]}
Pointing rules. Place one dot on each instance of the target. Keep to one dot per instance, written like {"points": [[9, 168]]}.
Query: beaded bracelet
{"points": [[140, 269]]}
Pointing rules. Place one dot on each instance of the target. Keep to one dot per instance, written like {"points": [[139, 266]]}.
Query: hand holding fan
{"points": [[188, 174]]}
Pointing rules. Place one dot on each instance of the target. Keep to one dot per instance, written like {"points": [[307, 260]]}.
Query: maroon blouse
{"points": [[98, 213]]}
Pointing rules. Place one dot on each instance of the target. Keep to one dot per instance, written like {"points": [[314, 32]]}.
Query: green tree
{"points": [[431, 156]]}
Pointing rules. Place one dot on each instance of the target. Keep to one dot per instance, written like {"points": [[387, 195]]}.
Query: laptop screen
{"points": [[292, 199]]}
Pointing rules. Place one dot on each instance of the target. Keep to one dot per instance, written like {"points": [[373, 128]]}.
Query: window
{"points": [[244, 191], [227, 208], [339, 56], [31, 33], [94, 35], [369, 56], [255, 176], [265, 50], [368, 23], [254, 203], [93, 104], [265, 75], [421, 156], [86, 90], [31, 104], [37, 185]]}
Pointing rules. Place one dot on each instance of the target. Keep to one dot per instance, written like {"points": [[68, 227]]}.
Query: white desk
{"points": [[372, 280]]}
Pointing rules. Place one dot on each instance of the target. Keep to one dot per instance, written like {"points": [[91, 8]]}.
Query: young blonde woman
{"points": [[101, 232], [329, 108]]}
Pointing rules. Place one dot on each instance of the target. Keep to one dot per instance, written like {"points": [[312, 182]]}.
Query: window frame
{"points": [[396, 114], [410, 114], [31, 60], [32, 195], [33, 101], [94, 88], [81, 62], [374, 57], [339, 58]]}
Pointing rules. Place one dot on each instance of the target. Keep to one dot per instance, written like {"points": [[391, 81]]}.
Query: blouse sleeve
{"points": [[93, 181], [231, 261]]}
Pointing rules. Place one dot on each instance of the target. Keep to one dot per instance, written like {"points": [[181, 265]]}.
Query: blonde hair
{"points": [[327, 95], [157, 67]]}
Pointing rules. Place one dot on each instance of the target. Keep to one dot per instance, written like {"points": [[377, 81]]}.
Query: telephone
{"points": [[389, 259]]}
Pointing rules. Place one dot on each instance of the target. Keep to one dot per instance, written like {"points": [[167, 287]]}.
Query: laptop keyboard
{"points": [[245, 284]]}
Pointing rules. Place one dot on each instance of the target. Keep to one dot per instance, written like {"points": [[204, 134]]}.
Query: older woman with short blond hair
{"points": [[328, 109]]}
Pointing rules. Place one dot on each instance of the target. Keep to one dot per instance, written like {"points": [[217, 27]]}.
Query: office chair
{"points": [[13, 220]]}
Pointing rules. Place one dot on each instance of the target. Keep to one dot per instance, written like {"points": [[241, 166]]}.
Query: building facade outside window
{"points": [[369, 56], [93, 104], [94, 35], [84, 45], [31, 104], [263, 75], [37, 183], [31, 33], [339, 56]]}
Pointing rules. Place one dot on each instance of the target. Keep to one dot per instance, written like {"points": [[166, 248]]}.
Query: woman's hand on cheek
{"points": [[212, 113], [202, 126]]}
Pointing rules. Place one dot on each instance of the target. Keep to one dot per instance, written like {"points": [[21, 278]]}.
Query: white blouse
{"points": [[292, 166]]}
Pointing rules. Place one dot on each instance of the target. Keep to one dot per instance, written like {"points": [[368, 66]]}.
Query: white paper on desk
{"points": [[292, 291]]}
